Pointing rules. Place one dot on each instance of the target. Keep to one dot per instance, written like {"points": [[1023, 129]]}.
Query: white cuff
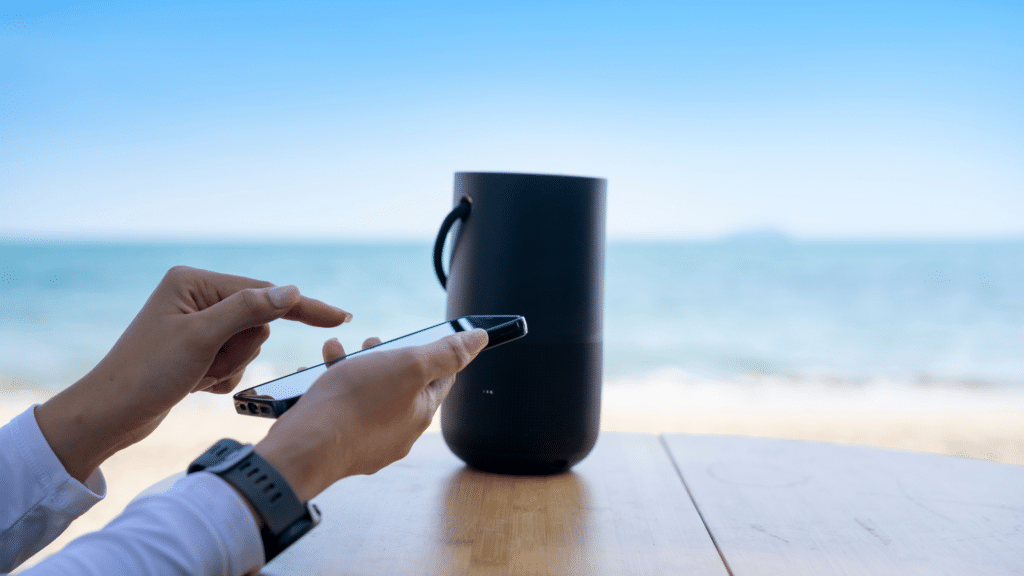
{"points": [[47, 468], [40, 498], [228, 516]]}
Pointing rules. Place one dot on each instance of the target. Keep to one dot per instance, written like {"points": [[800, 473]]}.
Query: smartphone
{"points": [[271, 399]]}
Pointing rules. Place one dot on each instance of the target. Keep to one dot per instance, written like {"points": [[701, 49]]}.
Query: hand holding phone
{"points": [[365, 412], [273, 398]]}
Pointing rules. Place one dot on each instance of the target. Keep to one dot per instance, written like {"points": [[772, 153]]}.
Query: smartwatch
{"points": [[285, 518]]}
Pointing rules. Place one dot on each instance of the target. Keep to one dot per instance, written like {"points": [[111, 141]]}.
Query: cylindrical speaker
{"points": [[531, 245]]}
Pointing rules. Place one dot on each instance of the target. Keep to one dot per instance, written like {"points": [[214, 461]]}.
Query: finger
{"points": [[211, 381], [371, 342], [254, 306], [227, 386], [238, 351], [333, 350], [245, 309], [452, 353], [317, 313], [437, 391], [214, 287]]}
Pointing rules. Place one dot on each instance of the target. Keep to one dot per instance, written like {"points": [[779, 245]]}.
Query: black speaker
{"points": [[531, 245]]}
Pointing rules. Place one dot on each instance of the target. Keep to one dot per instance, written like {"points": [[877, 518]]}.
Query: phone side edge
{"points": [[506, 333]]}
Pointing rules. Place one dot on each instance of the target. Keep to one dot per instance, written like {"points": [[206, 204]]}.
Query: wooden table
{"points": [[675, 504]]}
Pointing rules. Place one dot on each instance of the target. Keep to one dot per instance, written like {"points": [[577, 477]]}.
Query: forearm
{"points": [[80, 434], [200, 526]]}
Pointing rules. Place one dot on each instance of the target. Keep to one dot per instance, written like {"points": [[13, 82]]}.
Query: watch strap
{"points": [[285, 517], [215, 455], [266, 489]]}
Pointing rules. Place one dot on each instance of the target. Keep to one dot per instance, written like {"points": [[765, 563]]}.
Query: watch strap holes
{"points": [[286, 517]]}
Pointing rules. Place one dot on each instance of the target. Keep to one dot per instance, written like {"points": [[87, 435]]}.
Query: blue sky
{"points": [[316, 120]]}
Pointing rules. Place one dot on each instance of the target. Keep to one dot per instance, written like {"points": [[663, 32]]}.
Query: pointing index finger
{"points": [[212, 287], [317, 313]]}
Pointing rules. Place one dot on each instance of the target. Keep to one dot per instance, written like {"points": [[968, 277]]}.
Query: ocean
{"points": [[844, 313]]}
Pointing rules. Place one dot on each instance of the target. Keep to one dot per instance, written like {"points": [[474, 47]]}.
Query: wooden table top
{"points": [[674, 504]]}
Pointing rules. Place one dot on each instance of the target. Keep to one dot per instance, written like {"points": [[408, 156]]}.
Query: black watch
{"points": [[285, 518]]}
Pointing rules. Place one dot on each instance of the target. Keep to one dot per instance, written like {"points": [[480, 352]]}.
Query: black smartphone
{"points": [[271, 399]]}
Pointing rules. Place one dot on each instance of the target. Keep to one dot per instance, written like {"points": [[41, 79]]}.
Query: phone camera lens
{"points": [[253, 409]]}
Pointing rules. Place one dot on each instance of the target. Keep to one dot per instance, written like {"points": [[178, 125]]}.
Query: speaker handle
{"points": [[460, 212]]}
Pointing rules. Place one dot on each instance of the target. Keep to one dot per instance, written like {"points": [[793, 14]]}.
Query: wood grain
{"points": [[800, 508], [623, 510]]}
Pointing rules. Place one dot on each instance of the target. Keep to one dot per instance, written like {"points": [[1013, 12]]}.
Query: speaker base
{"points": [[514, 466]]}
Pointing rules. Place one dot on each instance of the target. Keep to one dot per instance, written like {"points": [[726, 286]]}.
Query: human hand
{"points": [[365, 412], [198, 331]]}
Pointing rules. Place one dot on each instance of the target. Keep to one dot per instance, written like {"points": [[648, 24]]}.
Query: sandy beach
{"points": [[974, 423]]}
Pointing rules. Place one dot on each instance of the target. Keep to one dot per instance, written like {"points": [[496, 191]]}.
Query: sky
{"points": [[347, 120]]}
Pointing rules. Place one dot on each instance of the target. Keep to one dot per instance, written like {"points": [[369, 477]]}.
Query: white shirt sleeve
{"points": [[40, 499], [200, 526]]}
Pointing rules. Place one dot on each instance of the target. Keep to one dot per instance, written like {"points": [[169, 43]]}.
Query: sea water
{"points": [[845, 313]]}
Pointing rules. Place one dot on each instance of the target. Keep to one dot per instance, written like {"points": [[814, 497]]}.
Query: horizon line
{"points": [[770, 237]]}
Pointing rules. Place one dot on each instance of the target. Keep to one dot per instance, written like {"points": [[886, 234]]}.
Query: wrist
{"points": [[299, 464], [273, 504], [77, 433]]}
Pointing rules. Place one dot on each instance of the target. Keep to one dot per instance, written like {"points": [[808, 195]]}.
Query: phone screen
{"points": [[294, 385]]}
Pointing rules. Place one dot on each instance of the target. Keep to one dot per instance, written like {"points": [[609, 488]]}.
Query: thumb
{"points": [[249, 307], [453, 353]]}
